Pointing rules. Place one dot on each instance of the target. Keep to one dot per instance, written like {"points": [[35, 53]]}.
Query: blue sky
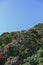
{"points": [[20, 14]]}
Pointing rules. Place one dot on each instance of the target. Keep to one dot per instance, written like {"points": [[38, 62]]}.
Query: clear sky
{"points": [[20, 14]]}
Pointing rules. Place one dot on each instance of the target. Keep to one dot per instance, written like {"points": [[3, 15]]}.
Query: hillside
{"points": [[22, 47]]}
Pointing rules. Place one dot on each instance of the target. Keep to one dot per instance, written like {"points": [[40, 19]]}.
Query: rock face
{"points": [[13, 60]]}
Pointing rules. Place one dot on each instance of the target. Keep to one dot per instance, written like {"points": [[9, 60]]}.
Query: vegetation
{"points": [[22, 47]]}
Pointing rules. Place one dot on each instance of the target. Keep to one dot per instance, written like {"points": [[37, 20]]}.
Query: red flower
{"points": [[14, 36], [1, 56]]}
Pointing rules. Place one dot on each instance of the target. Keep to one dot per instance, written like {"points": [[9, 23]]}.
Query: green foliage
{"points": [[28, 46]]}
